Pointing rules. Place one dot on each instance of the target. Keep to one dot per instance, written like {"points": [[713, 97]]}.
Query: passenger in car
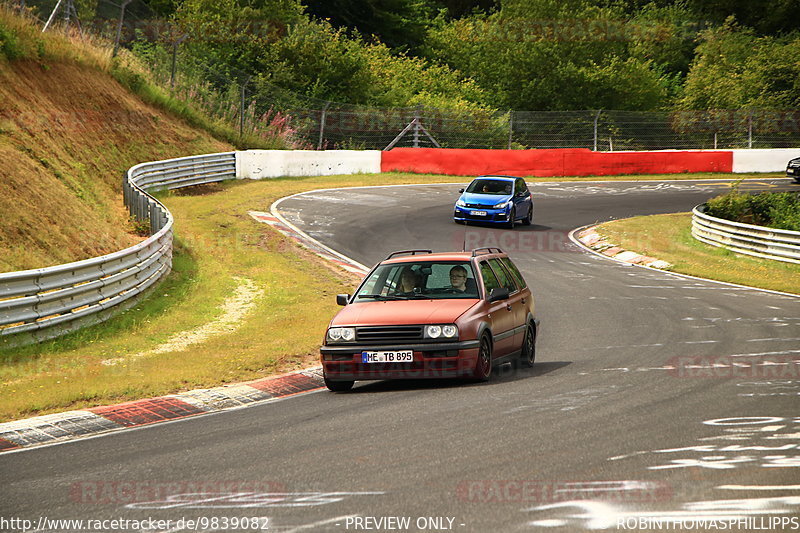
{"points": [[409, 281]]}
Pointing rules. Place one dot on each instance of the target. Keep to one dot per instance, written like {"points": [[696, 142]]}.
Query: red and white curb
{"points": [[308, 242], [49, 429], [593, 240]]}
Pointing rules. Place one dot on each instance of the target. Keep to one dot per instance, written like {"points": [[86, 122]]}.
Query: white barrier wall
{"points": [[258, 164], [767, 160]]}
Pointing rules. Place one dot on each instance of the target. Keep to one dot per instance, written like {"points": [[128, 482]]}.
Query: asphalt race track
{"points": [[655, 399]]}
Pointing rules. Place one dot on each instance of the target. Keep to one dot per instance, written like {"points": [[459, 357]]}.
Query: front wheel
{"points": [[483, 366], [529, 217], [528, 355], [339, 386]]}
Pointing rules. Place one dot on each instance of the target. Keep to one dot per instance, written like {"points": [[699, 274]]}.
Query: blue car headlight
{"points": [[501, 205], [461, 203]]}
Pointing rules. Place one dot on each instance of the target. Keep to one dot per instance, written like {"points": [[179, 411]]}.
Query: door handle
{"points": [[508, 306]]}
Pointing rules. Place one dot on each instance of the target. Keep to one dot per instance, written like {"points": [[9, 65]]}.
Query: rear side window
{"points": [[502, 276], [515, 273], [489, 280]]}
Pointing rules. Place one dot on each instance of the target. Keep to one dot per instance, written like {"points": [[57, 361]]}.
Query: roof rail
{"points": [[412, 252], [488, 251]]}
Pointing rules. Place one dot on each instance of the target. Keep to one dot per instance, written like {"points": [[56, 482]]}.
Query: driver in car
{"points": [[458, 278]]}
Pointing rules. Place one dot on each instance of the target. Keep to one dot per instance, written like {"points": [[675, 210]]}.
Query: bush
{"points": [[9, 45], [779, 210]]}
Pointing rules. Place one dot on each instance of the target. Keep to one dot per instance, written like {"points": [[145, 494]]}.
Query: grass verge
{"points": [[217, 244], [669, 237]]}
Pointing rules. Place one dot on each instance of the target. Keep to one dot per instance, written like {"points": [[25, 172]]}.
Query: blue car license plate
{"points": [[478, 213]]}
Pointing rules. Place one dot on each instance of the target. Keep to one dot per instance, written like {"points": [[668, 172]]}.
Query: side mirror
{"points": [[460, 190], [341, 299], [499, 293]]}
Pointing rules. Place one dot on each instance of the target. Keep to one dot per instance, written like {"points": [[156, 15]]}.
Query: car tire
{"points": [[483, 366], [529, 217], [512, 218], [528, 355], [339, 386]]}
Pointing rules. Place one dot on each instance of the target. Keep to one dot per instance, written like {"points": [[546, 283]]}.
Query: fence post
{"points": [[174, 65], [241, 106], [119, 26], [67, 14], [750, 129], [596, 118], [322, 124], [510, 126], [241, 113], [417, 118], [52, 16]]}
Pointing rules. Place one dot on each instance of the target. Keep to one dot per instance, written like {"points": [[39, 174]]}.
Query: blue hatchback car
{"points": [[495, 199]]}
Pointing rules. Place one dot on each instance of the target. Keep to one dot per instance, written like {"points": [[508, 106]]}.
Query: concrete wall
{"points": [[258, 164], [771, 160]]}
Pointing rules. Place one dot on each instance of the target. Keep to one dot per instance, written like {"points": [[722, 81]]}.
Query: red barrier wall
{"points": [[557, 162]]}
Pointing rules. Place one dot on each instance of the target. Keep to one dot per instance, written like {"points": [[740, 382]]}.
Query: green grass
{"points": [[668, 237], [218, 241]]}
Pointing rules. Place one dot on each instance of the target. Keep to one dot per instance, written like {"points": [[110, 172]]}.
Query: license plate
{"points": [[402, 356], [478, 213]]}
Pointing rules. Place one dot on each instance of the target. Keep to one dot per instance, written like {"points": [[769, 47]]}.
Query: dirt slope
{"points": [[67, 134]]}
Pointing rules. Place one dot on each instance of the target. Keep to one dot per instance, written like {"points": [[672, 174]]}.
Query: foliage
{"points": [[307, 58], [9, 46], [542, 54], [774, 210], [734, 69]]}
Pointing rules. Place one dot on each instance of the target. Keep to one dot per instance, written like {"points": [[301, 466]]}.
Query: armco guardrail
{"points": [[769, 243], [48, 302]]}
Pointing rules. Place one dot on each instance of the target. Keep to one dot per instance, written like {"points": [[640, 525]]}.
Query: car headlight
{"points": [[461, 203], [447, 331], [341, 334], [501, 205]]}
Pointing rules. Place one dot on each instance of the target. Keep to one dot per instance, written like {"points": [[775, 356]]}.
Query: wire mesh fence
{"points": [[250, 103], [600, 130]]}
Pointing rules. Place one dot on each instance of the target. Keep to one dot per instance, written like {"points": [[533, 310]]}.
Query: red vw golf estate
{"points": [[419, 314]]}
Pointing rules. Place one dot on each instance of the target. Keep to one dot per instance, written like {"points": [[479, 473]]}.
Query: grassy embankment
{"points": [[669, 237]]}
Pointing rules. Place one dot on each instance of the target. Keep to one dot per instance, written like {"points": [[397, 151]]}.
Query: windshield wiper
{"points": [[393, 296], [379, 297]]}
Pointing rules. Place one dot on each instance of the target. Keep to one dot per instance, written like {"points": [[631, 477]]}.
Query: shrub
{"points": [[779, 210], [9, 45]]}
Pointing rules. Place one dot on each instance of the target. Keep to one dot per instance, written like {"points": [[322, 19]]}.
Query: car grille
{"points": [[478, 206], [388, 333]]}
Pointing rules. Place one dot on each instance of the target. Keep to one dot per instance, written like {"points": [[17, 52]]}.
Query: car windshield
{"points": [[420, 280], [490, 186]]}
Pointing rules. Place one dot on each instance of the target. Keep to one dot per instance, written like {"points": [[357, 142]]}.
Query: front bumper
{"points": [[431, 361], [465, 214]]}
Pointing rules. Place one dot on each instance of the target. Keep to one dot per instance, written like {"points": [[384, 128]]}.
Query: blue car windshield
{"points": [[423, 280], [490, 186]]}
